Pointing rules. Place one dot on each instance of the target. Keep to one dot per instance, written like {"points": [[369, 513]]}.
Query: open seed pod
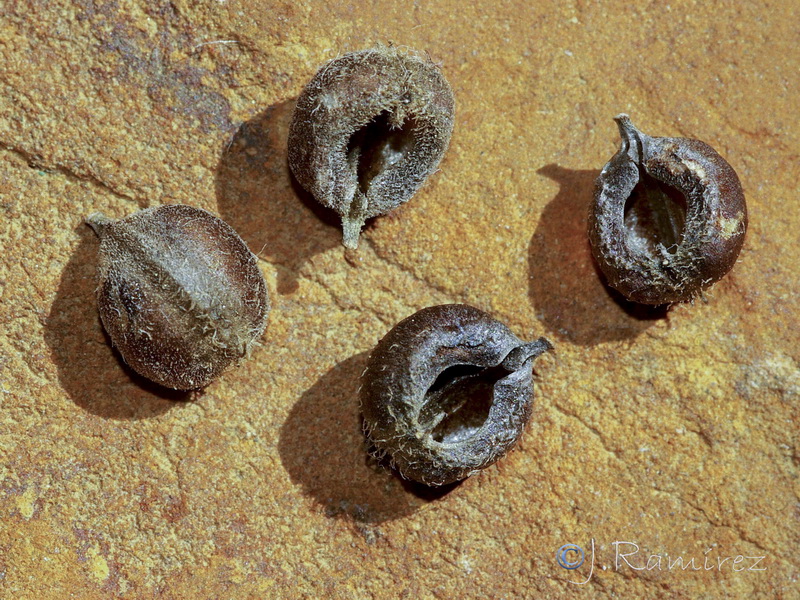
{"points": [[367, 131], [668, 218], [179, 293], [447, 392]]}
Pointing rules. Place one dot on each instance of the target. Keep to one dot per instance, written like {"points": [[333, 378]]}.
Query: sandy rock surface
{"points": [[675, 431]]}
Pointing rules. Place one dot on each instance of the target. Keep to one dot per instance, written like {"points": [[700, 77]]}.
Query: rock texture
{"points": [[676, 431]]}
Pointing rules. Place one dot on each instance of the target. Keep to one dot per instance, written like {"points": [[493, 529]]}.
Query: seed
{"points": [[668, 218], [367, 131], [179, 293], [447, 392]]}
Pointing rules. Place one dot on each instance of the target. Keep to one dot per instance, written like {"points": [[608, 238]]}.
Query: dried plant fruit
{"points": [[179, 293], [367, 131], [668, 218], [447, 392]]}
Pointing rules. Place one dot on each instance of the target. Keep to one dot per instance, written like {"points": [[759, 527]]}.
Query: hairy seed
{"points": [[367, 131], [668, 219], [447, 392], [179, 293]]}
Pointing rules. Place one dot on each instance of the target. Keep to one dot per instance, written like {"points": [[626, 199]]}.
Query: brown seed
{"points": [[447, 392], [179, 293], [367, 131], [668, 218]]}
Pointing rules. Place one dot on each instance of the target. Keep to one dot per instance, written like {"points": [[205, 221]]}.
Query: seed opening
{"points": [[655, 214], [378, 146], [458, 403]]}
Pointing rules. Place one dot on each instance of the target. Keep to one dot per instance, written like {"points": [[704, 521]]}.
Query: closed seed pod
{"points": [[668, 218], [447, 392], [179, 293], [367, 131]]}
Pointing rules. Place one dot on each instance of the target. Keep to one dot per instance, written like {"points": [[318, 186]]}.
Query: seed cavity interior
{"points": [[377, 146], [655, 216], [458, 403]]}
